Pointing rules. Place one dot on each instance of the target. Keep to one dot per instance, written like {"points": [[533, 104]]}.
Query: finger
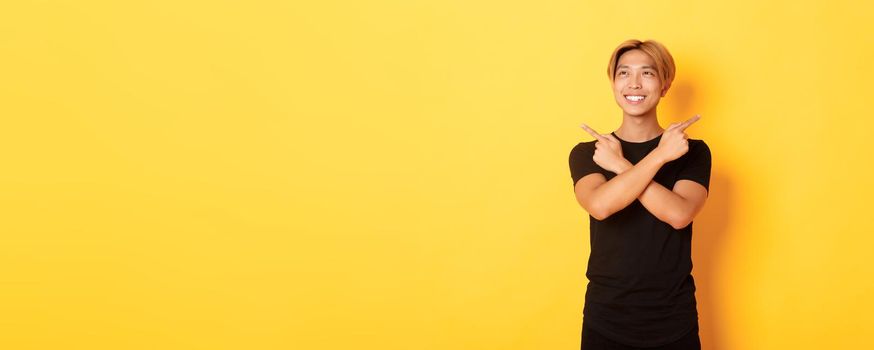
{"points": [[611, 137], [592, 132], [689, 122]]}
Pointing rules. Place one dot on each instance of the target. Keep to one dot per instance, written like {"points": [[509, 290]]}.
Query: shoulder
{"points": [[583, 148], [699, 146], [699, 151], [584, 145]]}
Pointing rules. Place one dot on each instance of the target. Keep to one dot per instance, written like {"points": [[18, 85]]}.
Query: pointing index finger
{"points": [[594, 133], [689, 122]]}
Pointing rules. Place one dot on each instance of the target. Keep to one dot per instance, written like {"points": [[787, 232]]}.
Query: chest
{"points": [[667, 174]]}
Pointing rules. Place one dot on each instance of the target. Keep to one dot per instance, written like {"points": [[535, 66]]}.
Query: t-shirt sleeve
{"points": [[697, 168], [581, 162]]}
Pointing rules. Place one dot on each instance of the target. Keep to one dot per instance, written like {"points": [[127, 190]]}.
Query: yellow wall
{"points": [[393, 175]]}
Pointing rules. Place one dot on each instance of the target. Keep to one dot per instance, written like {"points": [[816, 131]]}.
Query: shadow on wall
{"points": [[710, 227], [709, 232]]}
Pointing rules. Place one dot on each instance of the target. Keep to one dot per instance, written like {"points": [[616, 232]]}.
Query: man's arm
{"points": [[614, 195], [602, 199], [677, 207]]}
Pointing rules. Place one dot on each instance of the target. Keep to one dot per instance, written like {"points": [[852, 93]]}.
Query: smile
{"points": [[634, 98]]}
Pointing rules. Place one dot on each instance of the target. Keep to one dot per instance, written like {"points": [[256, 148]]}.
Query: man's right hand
{"points": [[674, 143]]}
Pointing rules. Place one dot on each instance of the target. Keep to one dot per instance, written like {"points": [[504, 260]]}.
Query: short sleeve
{"points": [[581, 163], [697, 167]]}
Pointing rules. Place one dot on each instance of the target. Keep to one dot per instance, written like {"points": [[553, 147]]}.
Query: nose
{"points": [[634, 82]]}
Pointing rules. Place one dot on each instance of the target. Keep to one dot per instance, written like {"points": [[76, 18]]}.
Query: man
{"points": [[642, 186]]}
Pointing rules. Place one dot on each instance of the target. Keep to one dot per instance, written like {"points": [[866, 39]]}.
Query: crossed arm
{"points": [[677, 207], [602, 198]]}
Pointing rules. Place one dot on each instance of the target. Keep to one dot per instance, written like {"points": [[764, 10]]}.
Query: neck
{"points": [[639, 128]]}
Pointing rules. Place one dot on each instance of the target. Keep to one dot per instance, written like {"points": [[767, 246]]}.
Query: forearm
{"points": [[665, 204], [628, 184]]}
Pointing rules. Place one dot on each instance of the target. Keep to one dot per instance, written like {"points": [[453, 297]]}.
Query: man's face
{"points": [[636, 85]]}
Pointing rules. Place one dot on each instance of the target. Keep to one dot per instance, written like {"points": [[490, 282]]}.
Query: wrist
{"points": [[624, 166], [657, 157]]}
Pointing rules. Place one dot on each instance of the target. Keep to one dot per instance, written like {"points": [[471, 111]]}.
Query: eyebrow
{"points": [[626, 66]]}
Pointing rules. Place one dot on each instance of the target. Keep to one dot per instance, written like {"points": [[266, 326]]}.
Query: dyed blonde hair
{"points": [[663, 60]]}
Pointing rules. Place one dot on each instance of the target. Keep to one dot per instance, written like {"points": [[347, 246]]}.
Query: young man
{"points": [[642, 186]]}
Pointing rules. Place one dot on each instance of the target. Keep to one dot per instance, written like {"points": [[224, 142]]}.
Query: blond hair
{"points": [[663, 60]]}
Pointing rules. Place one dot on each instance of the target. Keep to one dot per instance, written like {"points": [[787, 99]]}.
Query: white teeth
{"points": [[634, 98]]}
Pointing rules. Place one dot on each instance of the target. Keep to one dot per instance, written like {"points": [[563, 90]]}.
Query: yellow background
{"points": [[393, 174]]}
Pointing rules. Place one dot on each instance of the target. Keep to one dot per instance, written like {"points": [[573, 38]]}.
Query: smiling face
{"points": [[636, 84]]}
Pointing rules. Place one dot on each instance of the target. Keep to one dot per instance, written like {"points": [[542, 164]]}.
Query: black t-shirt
{"points": [[641, 292]]}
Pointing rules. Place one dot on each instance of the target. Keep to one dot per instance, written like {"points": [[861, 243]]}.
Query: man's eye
{"points": [[650, 73], [622, 73]]}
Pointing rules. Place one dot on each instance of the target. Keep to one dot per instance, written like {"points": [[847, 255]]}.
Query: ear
{"points": [[665, 89]]}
